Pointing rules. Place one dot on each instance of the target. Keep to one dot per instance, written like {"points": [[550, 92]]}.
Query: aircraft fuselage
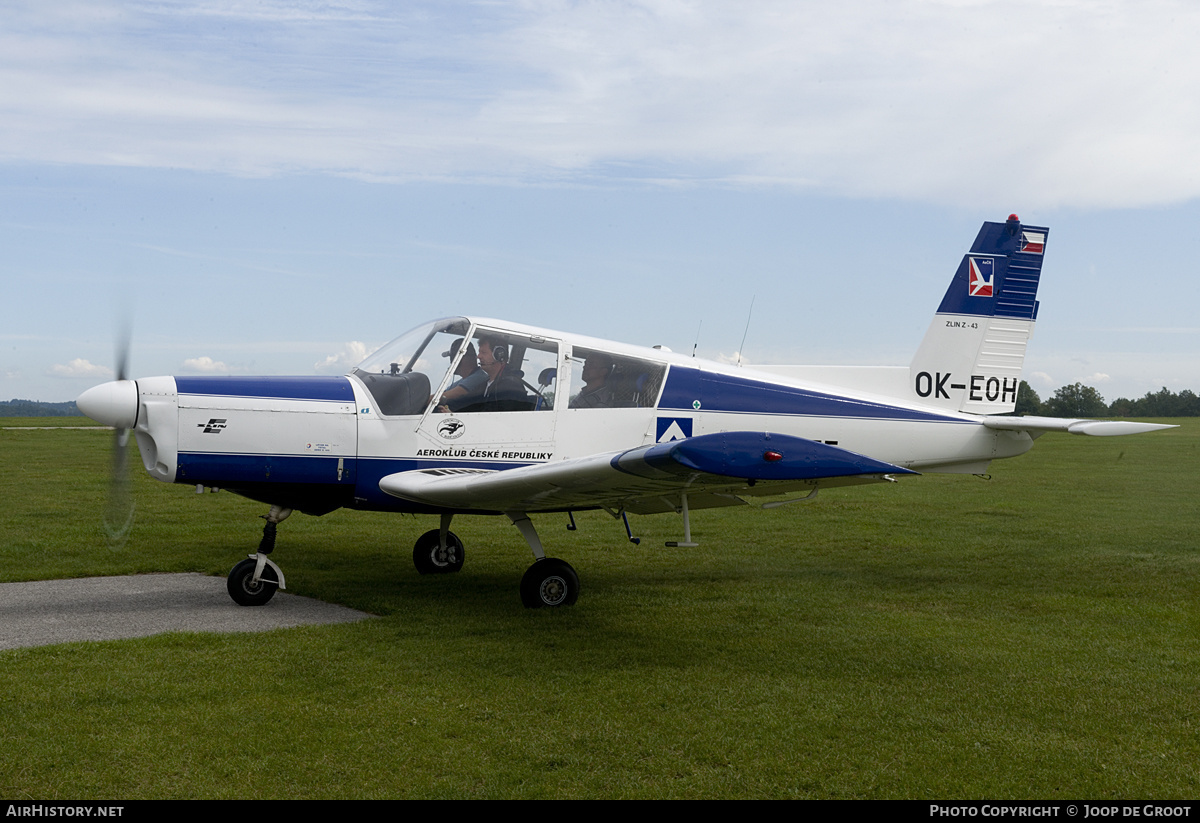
{"points": [[320, 443]]}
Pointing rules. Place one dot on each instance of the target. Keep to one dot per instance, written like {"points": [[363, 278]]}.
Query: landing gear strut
{"points": [[549, 582], [253, 581]]}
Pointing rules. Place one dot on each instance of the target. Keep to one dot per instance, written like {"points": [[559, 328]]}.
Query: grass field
{"points": [[1030, 636]]}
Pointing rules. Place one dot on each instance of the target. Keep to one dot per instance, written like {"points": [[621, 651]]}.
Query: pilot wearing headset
{"points": [[504, 390], [471, 379]]}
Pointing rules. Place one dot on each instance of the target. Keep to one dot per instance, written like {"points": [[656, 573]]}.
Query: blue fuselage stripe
{"points": [[694, 390], [222, 469], [285, 388]]}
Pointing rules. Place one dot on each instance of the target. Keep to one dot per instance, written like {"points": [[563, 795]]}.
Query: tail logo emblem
{"points": [[983, 276]]}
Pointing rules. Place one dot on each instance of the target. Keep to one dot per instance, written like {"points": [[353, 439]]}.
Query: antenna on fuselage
{"points": [[699, 326], [749, 314]]}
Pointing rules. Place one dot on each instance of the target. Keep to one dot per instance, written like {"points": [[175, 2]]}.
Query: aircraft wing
{"points": [[1096, 428], [713, 469]]}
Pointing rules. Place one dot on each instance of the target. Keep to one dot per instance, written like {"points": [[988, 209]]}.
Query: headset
{"points": [[499, 350]]}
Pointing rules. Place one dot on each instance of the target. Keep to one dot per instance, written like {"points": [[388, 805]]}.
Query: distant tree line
{"points": [[1078, 400], [36, 408]]}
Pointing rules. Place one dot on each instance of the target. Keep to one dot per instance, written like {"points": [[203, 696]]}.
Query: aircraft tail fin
{"points": [[971, 357]]}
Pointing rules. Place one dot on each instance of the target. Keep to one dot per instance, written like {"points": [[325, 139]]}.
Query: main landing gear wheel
{"points": [[549, 582], [429, 558], [243, 589]]}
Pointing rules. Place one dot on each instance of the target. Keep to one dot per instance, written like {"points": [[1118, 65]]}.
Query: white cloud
{"points": [[990, 103], [346, 359], [80, 368], [734, 359], [206, 365]]}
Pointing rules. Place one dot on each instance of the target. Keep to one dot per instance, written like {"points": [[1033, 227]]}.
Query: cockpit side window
{"points": [[515, 373], [603, 380]]}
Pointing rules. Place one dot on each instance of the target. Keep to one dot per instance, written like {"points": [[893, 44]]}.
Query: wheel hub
{"points": [[553, 590]]}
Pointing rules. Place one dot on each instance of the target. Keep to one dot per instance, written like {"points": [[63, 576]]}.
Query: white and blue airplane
{"points": [[468, 415]]}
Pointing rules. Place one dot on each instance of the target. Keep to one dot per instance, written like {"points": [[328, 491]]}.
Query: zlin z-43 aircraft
{"points": [[467, 415]]}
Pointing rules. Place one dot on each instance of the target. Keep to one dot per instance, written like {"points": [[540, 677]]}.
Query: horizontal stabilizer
{"points": [[1096, 428], [727, 461]]}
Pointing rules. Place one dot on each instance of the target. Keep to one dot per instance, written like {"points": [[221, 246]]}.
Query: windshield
{"points": [[402, 375]]}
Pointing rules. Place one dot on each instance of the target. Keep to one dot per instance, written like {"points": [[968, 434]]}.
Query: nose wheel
{"points": [[248, 586], [254, 581]]}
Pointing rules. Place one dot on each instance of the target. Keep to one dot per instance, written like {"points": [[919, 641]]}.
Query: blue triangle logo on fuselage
{"points": [[673, 428]]}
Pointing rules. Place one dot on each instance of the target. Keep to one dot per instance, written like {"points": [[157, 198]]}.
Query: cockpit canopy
{"points": [[459, 368]]}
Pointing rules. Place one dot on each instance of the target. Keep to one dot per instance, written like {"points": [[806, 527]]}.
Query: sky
{"points": [[280, 187]]}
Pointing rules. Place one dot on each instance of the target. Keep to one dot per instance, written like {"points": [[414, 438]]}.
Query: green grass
{"points": [[48, 422], [1030, 636]]}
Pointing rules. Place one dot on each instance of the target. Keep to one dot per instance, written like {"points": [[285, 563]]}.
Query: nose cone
{"points": [[113, 404]]}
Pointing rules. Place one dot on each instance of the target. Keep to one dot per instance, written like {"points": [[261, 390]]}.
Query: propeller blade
{"points": [[122, 355], [118, 514]]}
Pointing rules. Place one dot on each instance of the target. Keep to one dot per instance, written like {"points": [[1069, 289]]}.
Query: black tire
{"points": [[246, 593], [549, 583], [429, 558]]}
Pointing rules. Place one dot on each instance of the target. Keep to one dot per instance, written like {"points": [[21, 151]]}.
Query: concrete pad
{"points": [[45, 612]]}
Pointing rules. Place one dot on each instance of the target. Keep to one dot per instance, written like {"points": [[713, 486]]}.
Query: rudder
{"points": [[971, 357]]}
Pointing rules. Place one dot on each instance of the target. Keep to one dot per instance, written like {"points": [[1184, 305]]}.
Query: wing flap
{"points": [[637, 479]]}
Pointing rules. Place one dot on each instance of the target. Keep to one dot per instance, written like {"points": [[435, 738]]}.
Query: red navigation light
{"points": [[1014, 219], [772, 457]]}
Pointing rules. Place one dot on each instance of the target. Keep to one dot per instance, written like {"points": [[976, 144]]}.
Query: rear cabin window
{"points": [[603, 380]]}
